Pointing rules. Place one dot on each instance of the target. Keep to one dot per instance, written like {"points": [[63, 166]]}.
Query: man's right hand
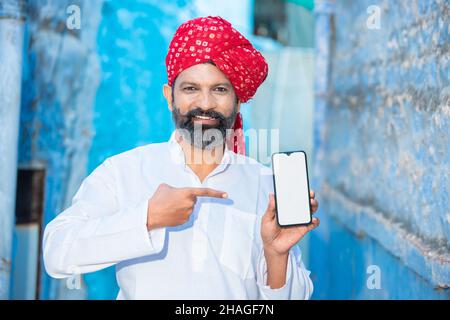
{"points": [[170, 206]]}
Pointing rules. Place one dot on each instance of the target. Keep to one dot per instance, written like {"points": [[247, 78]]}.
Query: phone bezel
{"points": [[275, 190]]}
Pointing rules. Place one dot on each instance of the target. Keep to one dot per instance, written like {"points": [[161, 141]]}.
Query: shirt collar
{"points": [[177, 155]]}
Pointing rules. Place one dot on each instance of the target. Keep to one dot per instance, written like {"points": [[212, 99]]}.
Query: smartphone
{"points": [[291, 185]]}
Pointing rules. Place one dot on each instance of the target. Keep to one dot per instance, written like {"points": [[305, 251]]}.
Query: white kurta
{"points": [[217, 254]]}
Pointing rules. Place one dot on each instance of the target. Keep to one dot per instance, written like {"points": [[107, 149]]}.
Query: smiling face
{"points": [[203, 102]]}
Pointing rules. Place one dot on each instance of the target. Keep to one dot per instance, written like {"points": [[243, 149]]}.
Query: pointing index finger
{"points": [[208, 192]]}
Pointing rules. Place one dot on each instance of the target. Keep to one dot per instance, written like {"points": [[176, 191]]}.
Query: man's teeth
{"points": [[204, 117]]}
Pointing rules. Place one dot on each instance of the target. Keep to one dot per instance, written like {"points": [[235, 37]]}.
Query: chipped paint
{"points": [[11, 42]]}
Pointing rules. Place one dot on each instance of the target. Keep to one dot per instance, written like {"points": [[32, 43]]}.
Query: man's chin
{"points": [[203, 141], [207, 123], [199, 124]]}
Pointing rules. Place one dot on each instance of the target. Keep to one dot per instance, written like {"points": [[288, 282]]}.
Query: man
{"points": [[189, 218]]}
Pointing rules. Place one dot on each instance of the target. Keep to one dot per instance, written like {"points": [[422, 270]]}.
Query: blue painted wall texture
{"points": [[12, 21], [385, 152], [60, 79]]}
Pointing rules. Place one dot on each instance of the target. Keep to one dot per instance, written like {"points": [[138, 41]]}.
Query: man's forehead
{"points": [[203, 73]]}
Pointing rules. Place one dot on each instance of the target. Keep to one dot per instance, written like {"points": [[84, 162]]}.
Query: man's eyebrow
{"points": [[185, 83], [223, 84]]}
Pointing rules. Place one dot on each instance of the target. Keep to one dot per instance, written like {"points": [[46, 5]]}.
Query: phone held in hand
{"points": [[291, 185]]}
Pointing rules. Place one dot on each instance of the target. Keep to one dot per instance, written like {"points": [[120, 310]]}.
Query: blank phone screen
{"points": [[291, 188]]}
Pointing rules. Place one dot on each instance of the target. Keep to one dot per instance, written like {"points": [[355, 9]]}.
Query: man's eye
{"points": [[189, 89], [221, 89]]}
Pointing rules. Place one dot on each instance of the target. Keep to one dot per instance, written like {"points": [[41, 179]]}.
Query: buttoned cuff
{"points": [[267, 292], [157, 238]]}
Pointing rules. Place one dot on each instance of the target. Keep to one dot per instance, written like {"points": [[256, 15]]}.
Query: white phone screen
{"points": [[291, 188]]}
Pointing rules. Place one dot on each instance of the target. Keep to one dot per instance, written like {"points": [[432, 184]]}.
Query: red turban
{"points": [[214, 39]]}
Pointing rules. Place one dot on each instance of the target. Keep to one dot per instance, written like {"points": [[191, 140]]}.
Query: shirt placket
{"points": [[200, 226]]}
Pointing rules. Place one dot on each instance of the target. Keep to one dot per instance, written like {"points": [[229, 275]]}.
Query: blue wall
{"points": [[59, 81], [385, 153]]}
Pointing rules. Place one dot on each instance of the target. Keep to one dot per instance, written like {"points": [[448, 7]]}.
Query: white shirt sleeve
{"points": [[94, 233], [298, 285]]}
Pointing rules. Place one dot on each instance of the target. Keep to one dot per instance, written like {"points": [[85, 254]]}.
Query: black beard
{"points": [[203, 136]]}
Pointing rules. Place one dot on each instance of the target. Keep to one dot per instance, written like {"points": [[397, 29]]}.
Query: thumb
{"points": [[270, 211]]}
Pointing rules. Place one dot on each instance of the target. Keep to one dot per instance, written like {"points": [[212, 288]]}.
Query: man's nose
{"points": [[206, 101]]}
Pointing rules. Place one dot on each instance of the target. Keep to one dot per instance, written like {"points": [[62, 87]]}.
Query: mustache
{"points": [[200, 112]]}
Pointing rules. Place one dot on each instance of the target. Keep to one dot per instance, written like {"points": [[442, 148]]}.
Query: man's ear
{"points": [[167, 92], [238, 107]]}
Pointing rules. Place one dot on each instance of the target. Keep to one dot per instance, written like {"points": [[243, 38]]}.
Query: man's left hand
{"points": [[278, 241]]}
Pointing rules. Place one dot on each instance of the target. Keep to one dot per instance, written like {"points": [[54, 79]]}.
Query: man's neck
{"points": [[201, 161]]}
